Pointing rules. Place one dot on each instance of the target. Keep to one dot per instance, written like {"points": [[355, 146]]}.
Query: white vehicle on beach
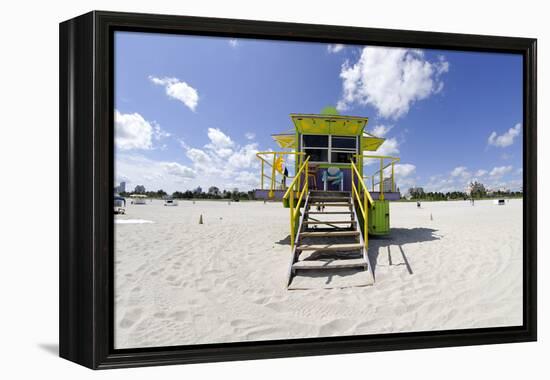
{"points": [[119, 205], [170, 202], [138, 199]]}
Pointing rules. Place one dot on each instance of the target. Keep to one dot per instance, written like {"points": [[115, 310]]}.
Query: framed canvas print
{"points": [[236, 189]]}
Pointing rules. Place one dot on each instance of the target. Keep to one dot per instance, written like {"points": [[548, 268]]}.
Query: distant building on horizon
{"points": [[121, 188]]}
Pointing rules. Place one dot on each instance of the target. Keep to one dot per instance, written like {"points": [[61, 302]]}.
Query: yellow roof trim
{"points": [[285, 141], [329, 124], [371, 143]]}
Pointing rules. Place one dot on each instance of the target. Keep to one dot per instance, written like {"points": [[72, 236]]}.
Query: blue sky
{"points": [[194, 110]]}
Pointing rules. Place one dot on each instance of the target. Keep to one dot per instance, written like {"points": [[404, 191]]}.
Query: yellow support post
{"points": [[307, 179], [273, 173], [262, 178], [392, 177], [381, 179], [299, 182], [352, 182], [365, 219], [291, 218]]}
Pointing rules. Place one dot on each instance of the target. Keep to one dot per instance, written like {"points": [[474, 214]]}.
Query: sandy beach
{"points": [[447, 265]]}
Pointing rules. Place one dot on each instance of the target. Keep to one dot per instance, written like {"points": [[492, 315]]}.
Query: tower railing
{"points": [[378, 177], [272, 177]]}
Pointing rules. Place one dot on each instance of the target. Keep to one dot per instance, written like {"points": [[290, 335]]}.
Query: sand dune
{"points": [[180, 282]]}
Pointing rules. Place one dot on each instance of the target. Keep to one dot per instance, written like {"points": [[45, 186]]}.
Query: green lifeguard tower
{"points": [[319, 176]]}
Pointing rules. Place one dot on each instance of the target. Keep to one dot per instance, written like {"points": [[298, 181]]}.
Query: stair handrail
{"points": [[268, 165], [290, 195], [363, 203]]}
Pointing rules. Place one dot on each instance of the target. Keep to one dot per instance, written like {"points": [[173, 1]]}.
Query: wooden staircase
{"points": [[329, 237]]}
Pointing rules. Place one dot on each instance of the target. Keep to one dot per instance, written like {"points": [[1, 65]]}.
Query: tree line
{"points": [[212, 193], [476, 191]]}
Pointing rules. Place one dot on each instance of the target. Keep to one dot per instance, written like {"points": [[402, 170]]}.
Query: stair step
{"points": [[329, 222], [329, 247], [329, 199], [329, 264], [331, 204], [329, 192], [329, 233], [330, 212]]}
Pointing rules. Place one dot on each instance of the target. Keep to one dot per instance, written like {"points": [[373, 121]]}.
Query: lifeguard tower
{"points": [[319, 176]]}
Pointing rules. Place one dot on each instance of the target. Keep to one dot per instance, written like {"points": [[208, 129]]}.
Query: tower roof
{"points": [[329, 124], [323, 124]]}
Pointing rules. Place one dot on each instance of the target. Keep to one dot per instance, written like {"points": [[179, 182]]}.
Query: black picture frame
{"points": [[86, 173]]}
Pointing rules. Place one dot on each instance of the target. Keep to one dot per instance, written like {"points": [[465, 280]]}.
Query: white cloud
{"points": [[178, 170], [403, 175], [246, 179], [224, 163], [381, 130], [220, 144], [404, 170], [198, 156], [389, 147], [178, 90], [481, 173], [233, 42], [154, 175], [218, 139], [132, 131], [250, 135], [335, 48], [459, 178], [244, 157], [442, 185], [499, 171], [390, 79], [460, 171], [506, 139]]}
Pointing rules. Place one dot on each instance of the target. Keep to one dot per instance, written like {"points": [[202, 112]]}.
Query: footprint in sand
{"points": [[180, 315], [336, 327], [174, 280], [277, 306], [239, 323], [141, 268], [130, 318], [261, 301], [263, 333]]}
